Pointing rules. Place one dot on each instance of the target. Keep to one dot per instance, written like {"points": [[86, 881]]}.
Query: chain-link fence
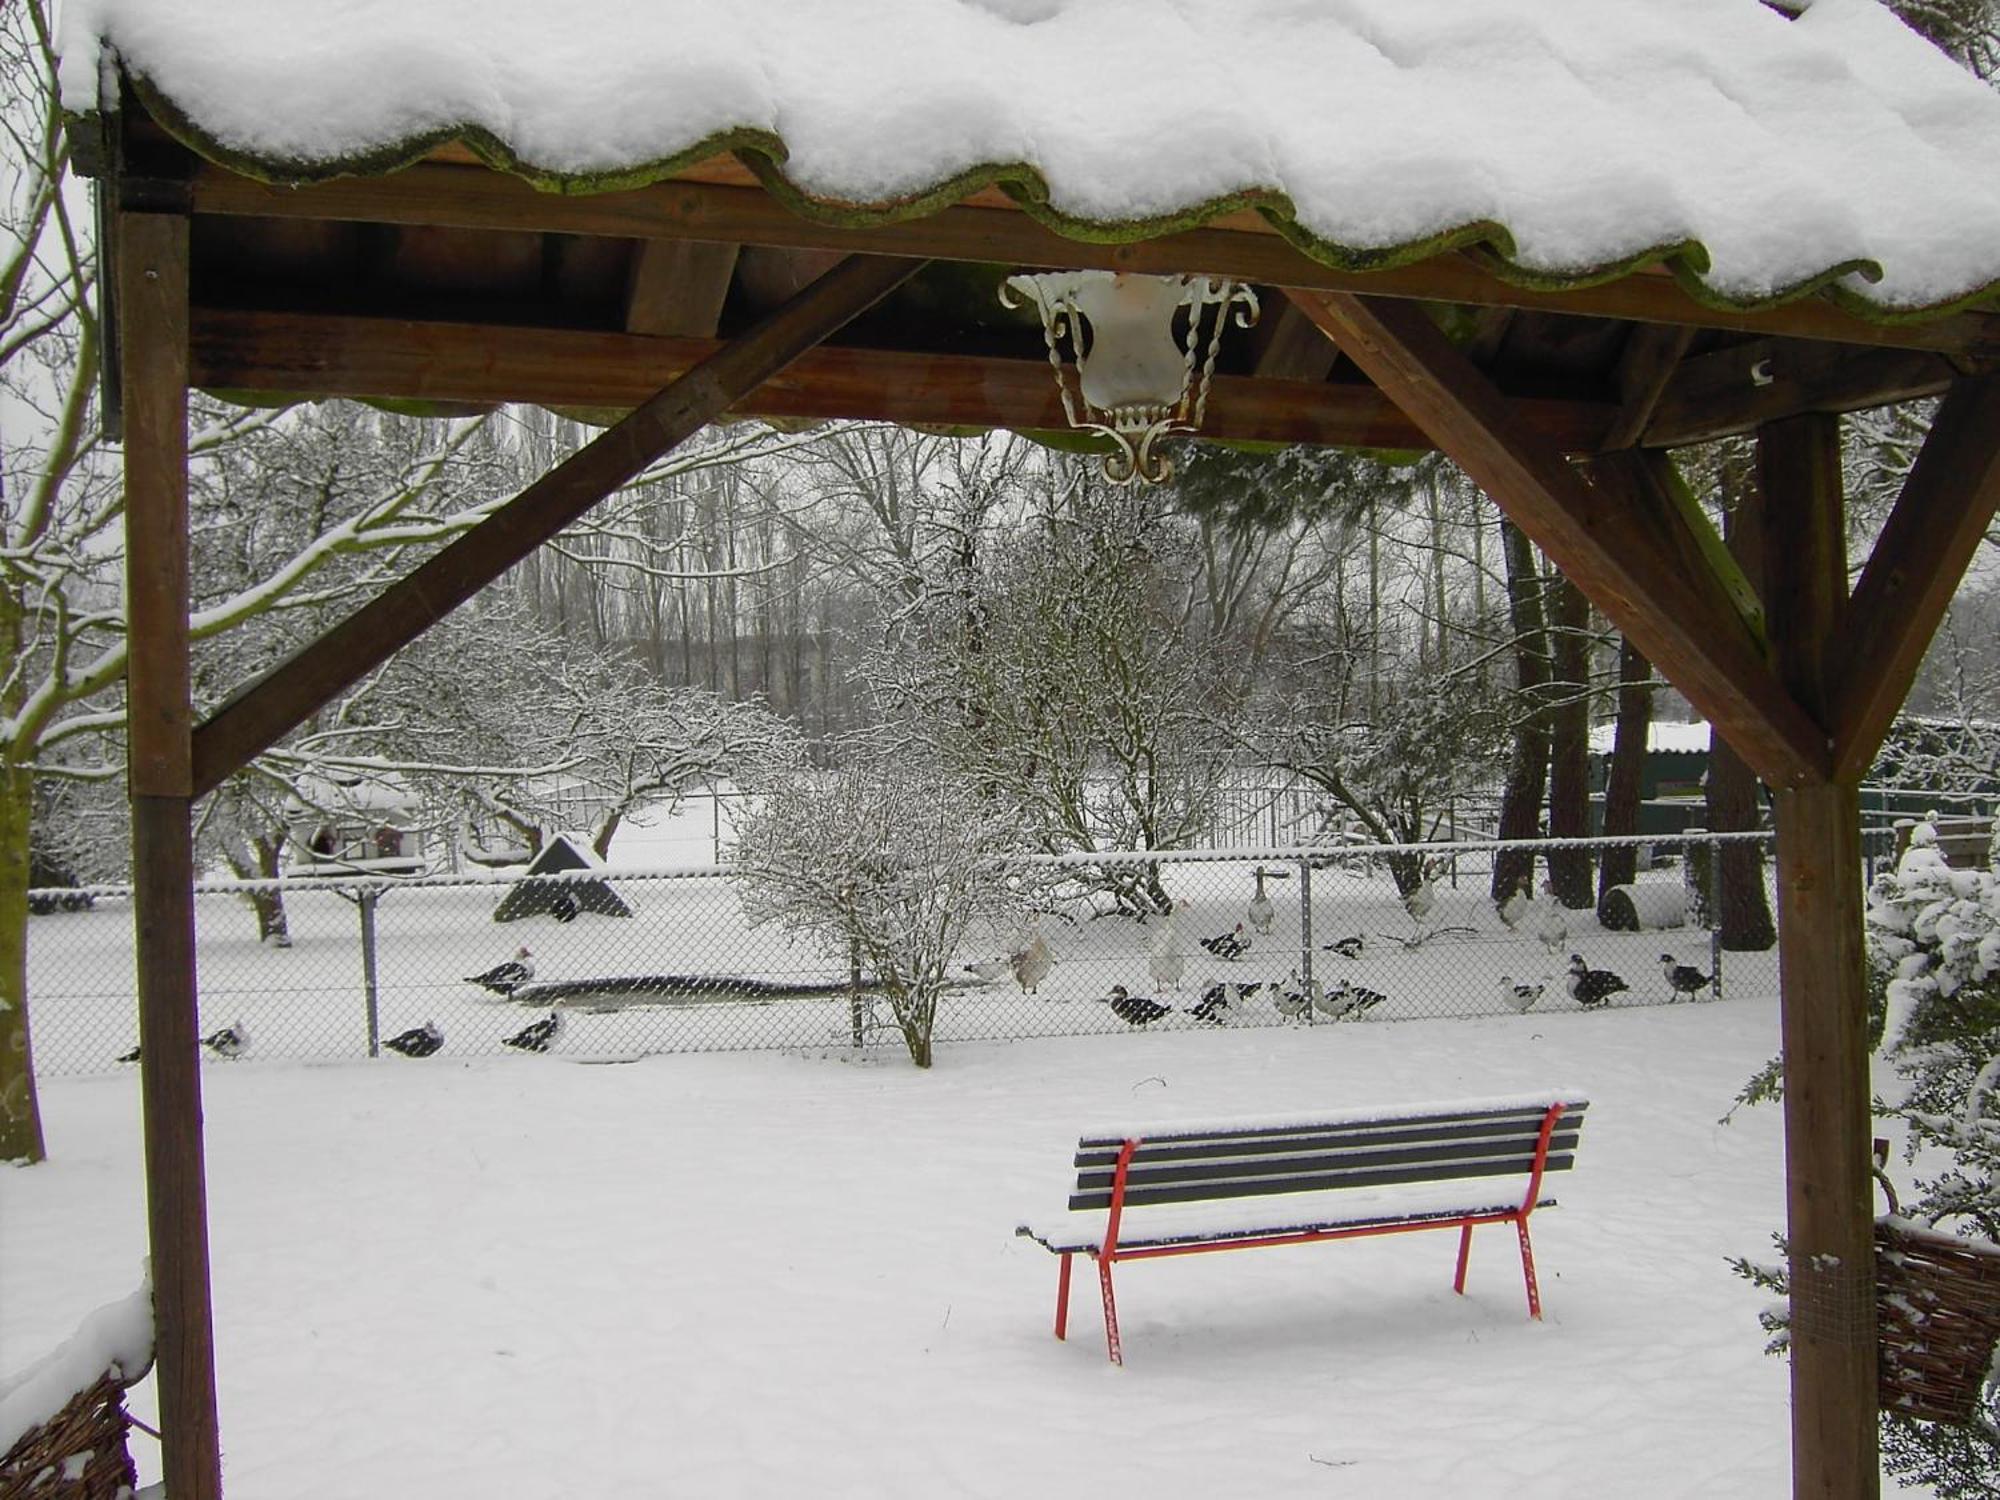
{"points": [[631, 962]]}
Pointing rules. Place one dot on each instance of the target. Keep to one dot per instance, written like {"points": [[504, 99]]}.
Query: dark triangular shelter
{"points": [[561, 899]]}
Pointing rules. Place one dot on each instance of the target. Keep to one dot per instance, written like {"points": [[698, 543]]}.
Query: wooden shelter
{"points": [[698, 278]]}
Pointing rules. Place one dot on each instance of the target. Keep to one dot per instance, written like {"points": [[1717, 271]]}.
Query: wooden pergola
{"points": [[705, 295]]}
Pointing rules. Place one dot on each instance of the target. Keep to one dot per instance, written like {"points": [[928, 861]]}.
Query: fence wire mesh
{"points": [[629, 963]]}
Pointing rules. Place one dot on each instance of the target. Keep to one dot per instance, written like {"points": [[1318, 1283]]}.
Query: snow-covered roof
{"points": [[1759, 156], [1677, 739]]}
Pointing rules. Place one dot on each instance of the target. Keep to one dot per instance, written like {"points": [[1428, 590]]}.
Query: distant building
{"points": [[1673, 783], [355, 824]]}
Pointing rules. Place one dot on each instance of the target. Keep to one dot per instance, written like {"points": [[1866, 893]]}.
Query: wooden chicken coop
{"points": [[1556, 241]]}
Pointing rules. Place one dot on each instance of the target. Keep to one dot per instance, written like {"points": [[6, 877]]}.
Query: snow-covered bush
{"points": [[886, 859]]}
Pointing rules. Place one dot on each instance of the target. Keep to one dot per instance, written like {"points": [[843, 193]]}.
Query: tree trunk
{"points": [[20, 1112], [1739, 906], [1569, 744], [1622, 787], [1528, 766]]}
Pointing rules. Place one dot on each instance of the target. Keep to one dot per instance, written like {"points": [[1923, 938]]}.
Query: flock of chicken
{"points": [[1542, 918]]}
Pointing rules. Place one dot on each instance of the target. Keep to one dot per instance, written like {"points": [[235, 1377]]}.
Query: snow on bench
{"points": [[1196, 1186]]}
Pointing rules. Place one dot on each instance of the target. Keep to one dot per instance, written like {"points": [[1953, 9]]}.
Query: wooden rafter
{"points": [[256, 717], [678, 287], [304, 354], [1618, 555], [1742, 388], [1948, 501], [1652, 352], [475, 198]]}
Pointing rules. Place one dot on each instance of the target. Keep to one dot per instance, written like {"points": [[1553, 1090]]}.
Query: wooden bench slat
{"points": [[1150, 1151], [1322, 1181], [1222, 1178], [1273, 1224], [1357, 1125]]}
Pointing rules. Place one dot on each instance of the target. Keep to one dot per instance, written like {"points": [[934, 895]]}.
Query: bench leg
{"points": [[1464, 1254], [1062, 1300], [1111, 1344], [1528, 1270]]}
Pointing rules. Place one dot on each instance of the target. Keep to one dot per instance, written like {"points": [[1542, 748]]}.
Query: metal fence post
{"points": [[1306, 924], [370, 989]]}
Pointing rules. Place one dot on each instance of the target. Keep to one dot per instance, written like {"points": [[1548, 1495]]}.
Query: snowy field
{"points": [[788, 1274]]}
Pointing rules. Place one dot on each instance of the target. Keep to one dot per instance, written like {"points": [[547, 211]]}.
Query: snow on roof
{"points": [[1676, 739], [1576, 138]]}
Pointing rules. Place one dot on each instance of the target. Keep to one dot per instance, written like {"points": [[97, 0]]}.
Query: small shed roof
{"points": [[1755, 155]]}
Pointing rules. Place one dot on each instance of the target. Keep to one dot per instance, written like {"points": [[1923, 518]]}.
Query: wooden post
{"points": [[152, 257], [1828, 1126]]}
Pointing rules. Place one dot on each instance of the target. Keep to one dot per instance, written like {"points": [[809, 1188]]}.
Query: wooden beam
{"points": [[1652, 351], [152, 291], [476, 198], [1948, 501], [1614, 551], [678, 287], [257, 716], [302, 354], [1286, 346], [1823, 987], [1749, 385]]}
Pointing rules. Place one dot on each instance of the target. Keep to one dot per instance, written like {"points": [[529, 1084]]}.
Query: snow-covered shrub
{"points": [[887, 859]]}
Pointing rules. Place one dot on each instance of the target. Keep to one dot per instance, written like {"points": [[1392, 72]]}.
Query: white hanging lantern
{"points": [[1134, 383]]}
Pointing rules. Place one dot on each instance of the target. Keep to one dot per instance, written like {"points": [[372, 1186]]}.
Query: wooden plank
{"points": [[1740, 389], [152, 262], [257, 716], [1286, 346], [310, 355], [477, 198], [678, 287], [1803, 552], [1652, 352], [1828, 1131], [1823, 989], [1612, 553], [1948, 502]]}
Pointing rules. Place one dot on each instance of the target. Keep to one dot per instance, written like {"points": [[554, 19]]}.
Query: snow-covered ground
{"points": [[782, 1274]]}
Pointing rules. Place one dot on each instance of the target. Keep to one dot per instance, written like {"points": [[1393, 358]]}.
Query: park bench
{"points": [[1237, 1185]]}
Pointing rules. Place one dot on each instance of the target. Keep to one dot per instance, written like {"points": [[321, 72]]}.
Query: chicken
{"points": [[505, 978], [1032, 964], [1222, 1003], [1517, 907], [1520, 997], [1295, 1001], [132, 1056], [1229, 945], [231, 1041], [1343, 1001], [419, 1041], [989, 970], [536, 1035], [1347, 947], [1166, 963], [1138, 1010], [1684, 979], [1590, 987], [1421, 901], [1262, 913], [1551, 924]]}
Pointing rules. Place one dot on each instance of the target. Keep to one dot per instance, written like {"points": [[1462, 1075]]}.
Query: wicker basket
{"points": [[78, 1454], [1937, 1311]]}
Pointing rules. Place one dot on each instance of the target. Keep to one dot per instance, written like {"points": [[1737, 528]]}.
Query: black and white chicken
{"points": [[536, 1035], [1684, 979], [1229, 945], [1347, 947], [505, 978], [1590, 987], [231, 1041], [132, 1056], [1138, 1010], [1343, 1001], [418, 1041], [1520, 997], [1221, 1003]]}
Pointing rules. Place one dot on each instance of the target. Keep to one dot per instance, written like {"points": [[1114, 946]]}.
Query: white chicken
{"points": [[1262, 913], [1032, 963], [1166, 963], [1551, 925]]}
